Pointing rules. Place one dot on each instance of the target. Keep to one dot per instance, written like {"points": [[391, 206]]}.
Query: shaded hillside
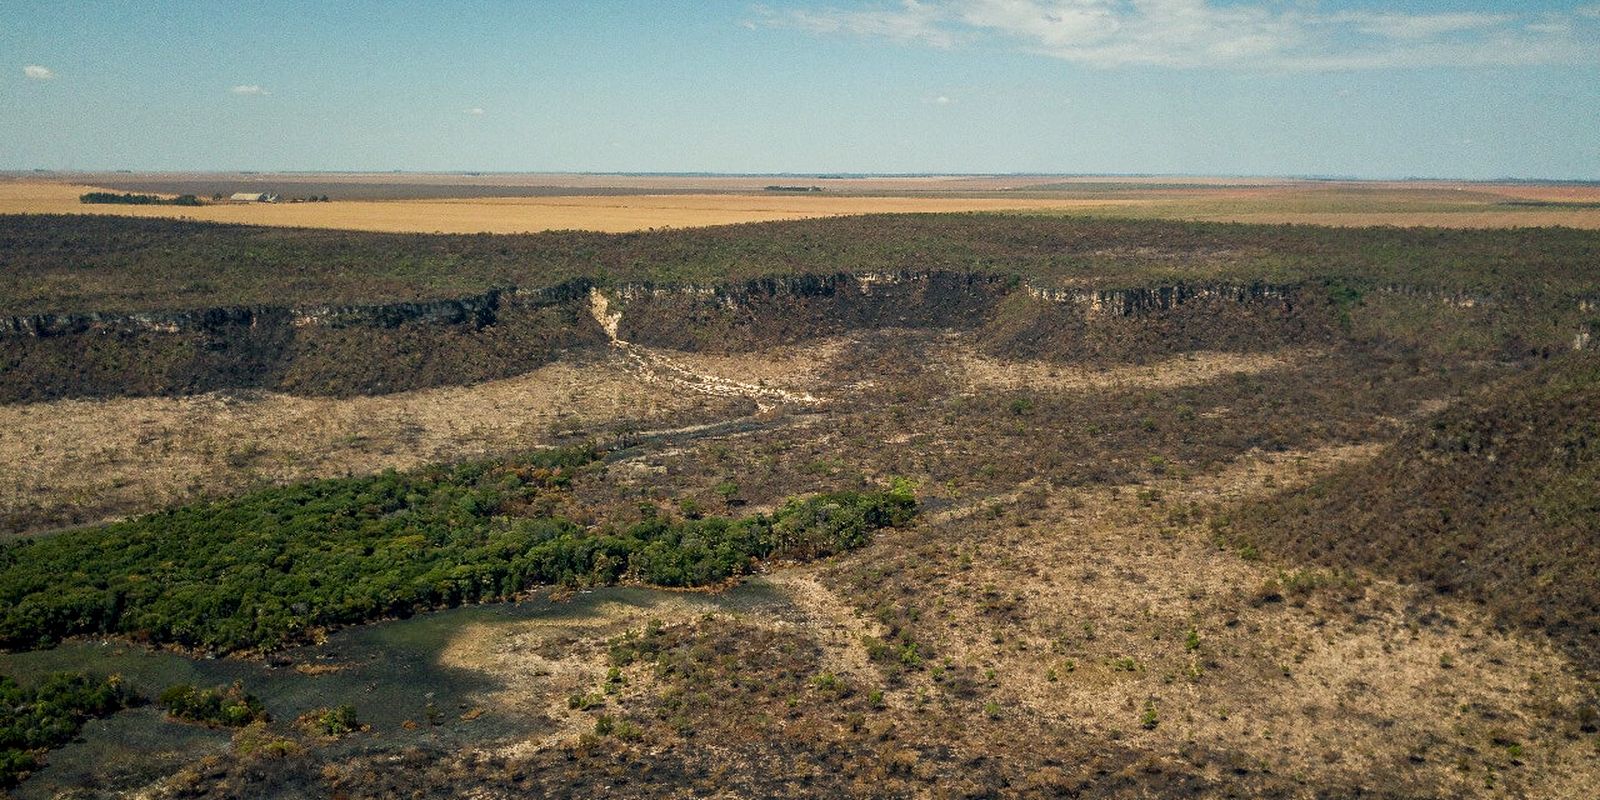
{"points": [[94, 307], [1496, 498]]}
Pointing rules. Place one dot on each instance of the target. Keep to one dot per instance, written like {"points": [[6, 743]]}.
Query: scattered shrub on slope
{"points": [[1496, 498]]}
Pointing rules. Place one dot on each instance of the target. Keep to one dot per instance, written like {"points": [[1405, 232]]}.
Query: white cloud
{"points": [[910, 21], [1395, 25], [942, 100], [38, 73], [1252, 34], [249, 89], [474, 111]]}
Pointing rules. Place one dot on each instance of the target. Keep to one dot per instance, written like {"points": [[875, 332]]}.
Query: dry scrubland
{"points": [[74, 462], [1064, 619], [618, 205], [1143, 563]]}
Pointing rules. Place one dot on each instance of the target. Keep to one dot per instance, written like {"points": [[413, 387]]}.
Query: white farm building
{"points": [[253, 197]]}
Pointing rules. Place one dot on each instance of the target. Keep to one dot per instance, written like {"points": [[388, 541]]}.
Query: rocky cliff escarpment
{"points": [[367, 349], [337, 350]]}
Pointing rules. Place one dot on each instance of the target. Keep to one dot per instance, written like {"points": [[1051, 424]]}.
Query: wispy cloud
{"points": [[1253, 34], [474, 111], [249, 89], [911, 21], [38, 73]]}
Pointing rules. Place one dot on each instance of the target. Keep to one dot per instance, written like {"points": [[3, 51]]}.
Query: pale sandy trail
{"points": [[655, 367]]}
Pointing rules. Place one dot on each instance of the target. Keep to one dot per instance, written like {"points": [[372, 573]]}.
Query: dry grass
{"points": [[978, 373], [1349, 204], [612, 214], [1336, 684], [83, 460], [1077, 610], [74, 461]]}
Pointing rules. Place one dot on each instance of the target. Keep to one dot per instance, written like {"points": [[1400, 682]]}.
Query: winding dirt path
{"points": [[655, 367]]}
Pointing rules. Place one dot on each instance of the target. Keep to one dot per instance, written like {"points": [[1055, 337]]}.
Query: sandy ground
{"points": [[1453, 205]]}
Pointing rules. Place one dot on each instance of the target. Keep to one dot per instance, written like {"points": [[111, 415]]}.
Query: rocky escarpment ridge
{"points": [[385, 347], [479, 310]]}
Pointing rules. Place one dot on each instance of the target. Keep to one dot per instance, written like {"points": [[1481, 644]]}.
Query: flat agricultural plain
{"points": [[414, 203]]}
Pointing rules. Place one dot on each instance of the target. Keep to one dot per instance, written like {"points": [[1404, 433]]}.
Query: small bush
{"points": [[229, 706]]}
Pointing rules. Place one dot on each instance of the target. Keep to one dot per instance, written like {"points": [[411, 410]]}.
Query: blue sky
{"points": [[1257, 87]]}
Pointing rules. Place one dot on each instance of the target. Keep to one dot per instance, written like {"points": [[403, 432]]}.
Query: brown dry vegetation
{"points": [[1093, 640], [71, 462], [559, 204], [1065, 619], [1143, 567], [78, 461], [612, 214]]}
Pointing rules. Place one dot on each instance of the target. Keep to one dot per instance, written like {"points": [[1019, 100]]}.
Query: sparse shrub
{"points": [[585, 701], [229, 706], [1149, 719], [333, 722]]}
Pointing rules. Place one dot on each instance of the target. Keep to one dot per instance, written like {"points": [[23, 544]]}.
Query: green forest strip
{"points": [[38, 718], [261, 571], [58, 264]]}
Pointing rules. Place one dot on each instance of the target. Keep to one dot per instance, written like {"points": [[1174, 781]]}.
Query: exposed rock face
{"points": [[319, 350], [370, 349]]}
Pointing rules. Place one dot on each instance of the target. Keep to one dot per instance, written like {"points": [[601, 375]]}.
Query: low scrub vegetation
{"points": [[1497, 498], [35, 719], [261, 571], [60, 263], [224, 706]]}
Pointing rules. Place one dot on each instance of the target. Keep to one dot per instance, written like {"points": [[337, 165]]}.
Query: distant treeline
{"points": [[101, 263], [261, 571], [129, 199]]}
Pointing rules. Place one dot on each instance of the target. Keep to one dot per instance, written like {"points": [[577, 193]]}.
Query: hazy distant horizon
{"points": [[813, 175]]}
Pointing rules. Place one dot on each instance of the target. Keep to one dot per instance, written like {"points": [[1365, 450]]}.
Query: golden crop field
{"points": [[615, 213], [704, 202]]}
